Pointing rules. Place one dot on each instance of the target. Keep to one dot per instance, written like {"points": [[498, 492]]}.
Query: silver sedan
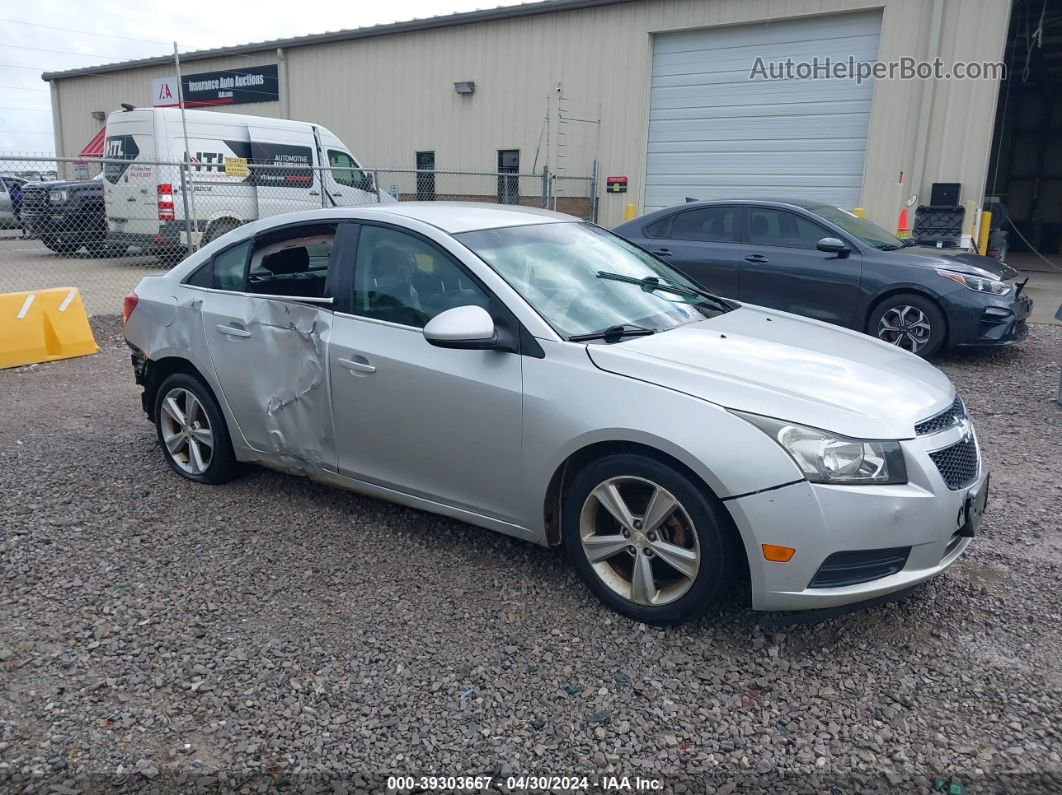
{"points": [[538, 376]]}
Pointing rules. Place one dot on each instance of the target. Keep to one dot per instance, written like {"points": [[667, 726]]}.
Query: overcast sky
{"points": [[147, 28]]}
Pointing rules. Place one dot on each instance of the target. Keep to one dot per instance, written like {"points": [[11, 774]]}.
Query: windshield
{"points": [[556, 267], [869, 233]]}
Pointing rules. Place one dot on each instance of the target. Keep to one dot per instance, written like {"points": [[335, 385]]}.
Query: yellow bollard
{"points": [[628, 211], [43, 325], [982, 232], [858, 212]]}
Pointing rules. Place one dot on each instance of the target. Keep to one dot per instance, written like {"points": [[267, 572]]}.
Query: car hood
{"points": [[963, 262], [780, 365]]}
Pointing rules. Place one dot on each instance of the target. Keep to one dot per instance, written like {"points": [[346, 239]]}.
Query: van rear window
{"points": [[119, 147]]}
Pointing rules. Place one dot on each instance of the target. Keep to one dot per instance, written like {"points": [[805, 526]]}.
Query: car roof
{"points": [[806, 204], [456, 217]]}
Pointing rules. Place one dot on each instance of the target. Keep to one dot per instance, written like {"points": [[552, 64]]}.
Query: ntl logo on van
{"points": [[119, 147]]}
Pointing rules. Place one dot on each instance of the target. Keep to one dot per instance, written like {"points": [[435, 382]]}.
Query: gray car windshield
{"points": [[870, 233], [568, 273]]}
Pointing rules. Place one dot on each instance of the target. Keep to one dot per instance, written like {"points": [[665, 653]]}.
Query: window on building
{"points": [[425, 176], [508, 187]]}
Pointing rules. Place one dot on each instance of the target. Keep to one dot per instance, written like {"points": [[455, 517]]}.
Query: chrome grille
{"points": [[939, 422], [34, 199], [957, 464]]}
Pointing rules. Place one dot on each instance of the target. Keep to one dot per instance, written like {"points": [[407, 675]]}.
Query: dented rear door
{"points": [[270, 356]]}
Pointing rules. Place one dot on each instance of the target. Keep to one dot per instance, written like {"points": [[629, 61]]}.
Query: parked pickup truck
{"points": [[67, 214]]}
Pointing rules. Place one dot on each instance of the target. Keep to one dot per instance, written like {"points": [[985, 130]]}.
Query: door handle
{"points": [[759, 259], [232, 331], [663, 252], [359, 365]]}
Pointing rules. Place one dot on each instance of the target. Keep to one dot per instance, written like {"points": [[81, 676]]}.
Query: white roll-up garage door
{"points": [[714, 133]]}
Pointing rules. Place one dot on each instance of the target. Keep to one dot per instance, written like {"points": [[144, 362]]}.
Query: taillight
{"points": [[128, 305], [165, 196]]}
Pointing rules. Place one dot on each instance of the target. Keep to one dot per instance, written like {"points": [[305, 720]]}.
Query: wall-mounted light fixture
{"points": [[465, 87], [99, 115]]}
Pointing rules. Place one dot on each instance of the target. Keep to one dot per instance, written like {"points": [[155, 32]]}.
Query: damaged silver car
{"points": [[538, 376]]}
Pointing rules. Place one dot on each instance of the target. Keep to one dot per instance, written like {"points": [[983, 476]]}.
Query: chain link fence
{"points": [[102, 225]]}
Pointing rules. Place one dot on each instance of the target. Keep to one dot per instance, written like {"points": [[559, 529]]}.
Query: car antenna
{"points": [[127, 107]]}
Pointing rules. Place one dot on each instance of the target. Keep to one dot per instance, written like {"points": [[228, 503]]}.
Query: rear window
{"points": [[119, 147]]}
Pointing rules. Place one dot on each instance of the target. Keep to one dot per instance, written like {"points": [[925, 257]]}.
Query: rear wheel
{"points": [[646, 539], [192, 431], [909, 321], [217, 229]]}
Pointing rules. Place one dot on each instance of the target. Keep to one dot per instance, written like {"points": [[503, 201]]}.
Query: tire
{"points": [[188, 452], [217, 229], [911, 322], [60, 248], [695, 534]]}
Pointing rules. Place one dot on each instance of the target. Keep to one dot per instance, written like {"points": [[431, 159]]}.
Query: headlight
{"points": [[826, 457], [57, 196], [978, 284]]}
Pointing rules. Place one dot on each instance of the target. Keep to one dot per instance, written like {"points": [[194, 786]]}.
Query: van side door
{"points": [[284, 169]]}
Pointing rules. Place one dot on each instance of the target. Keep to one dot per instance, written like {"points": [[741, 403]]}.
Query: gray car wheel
{"points": [[647, 540], [192, 431], [910, 322]]}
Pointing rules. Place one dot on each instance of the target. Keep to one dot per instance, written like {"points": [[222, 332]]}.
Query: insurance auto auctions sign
{"points": [[225, 87]]}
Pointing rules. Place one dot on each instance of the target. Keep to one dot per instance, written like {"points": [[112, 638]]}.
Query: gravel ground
{"points": [[274, 633]]}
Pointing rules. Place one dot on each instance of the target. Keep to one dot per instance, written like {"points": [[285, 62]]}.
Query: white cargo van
{"points": [[146, 203]]}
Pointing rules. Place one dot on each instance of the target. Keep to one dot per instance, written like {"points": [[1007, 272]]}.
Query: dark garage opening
{"points": [[1025, 170]]}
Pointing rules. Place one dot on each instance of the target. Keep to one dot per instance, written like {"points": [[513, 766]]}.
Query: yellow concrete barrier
{"points": [[43, 325]]}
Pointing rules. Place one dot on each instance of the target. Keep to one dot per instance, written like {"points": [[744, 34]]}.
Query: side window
{"points": [[224, 271], [344, 170], [403, 279], [658, 228], [228, 267], [292, 262], [705, 223], [769, 227]]}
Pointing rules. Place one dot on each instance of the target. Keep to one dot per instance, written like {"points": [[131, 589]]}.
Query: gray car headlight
{"points": [[826, 457], [978, 284], [57, 196]]}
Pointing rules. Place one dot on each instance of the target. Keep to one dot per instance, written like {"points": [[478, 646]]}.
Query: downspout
{"points": [[282, 80], [57, 129], [921, 141]]}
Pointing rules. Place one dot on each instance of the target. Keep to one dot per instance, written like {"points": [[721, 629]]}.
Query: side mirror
{"points": [[468, 328], [833, 245]]}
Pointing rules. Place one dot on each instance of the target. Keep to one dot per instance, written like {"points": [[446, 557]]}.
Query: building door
{"points": [[425, 176], [716, 130], [508, 187]]}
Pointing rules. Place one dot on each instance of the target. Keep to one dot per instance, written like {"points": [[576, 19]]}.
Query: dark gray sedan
{"points": [[817, 260]]}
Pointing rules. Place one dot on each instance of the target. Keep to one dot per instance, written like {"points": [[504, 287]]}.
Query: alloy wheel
{"points": [[639, 540], [906, 327], [186, 431]]}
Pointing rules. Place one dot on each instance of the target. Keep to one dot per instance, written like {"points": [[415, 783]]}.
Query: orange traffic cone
{"points": [[902, 229]]}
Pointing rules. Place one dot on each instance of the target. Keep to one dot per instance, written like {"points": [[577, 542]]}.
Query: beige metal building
{"points": [[658, 91]]}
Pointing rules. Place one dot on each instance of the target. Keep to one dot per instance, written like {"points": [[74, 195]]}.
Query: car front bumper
{"points": [[975, 320], [820, 520]]}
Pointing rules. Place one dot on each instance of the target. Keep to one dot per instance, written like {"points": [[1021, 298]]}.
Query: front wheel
{"points": [[646, 540], [910, 322], [192, 431], [61, 248]]}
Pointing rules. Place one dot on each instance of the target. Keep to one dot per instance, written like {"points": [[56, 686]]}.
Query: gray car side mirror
{"points": [[833, 245], [463, 327]]}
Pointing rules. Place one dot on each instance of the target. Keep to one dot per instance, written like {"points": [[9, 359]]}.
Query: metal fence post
{"points": [[187, 210], [545, 187], [376, 183]]}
